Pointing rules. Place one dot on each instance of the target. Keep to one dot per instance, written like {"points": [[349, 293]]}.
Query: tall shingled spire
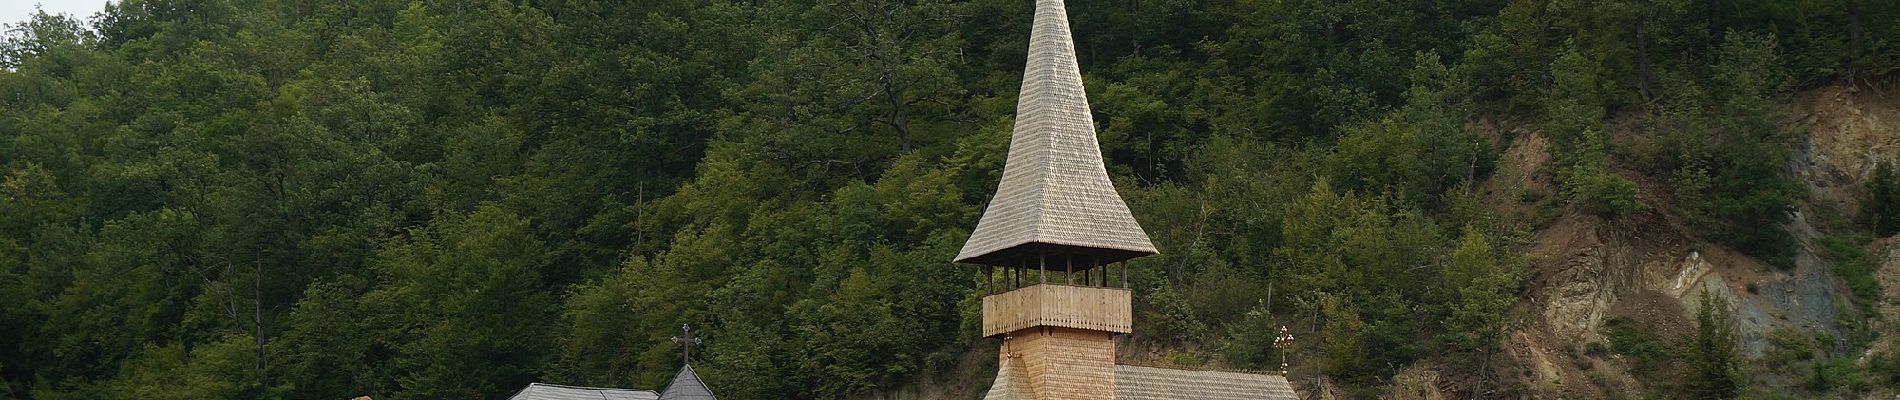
{"points": [[1055, 198], [1056, 211]]}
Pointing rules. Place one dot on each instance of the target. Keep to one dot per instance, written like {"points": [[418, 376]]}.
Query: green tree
{"points": [[320, 361], [1480, 290], [1751, 198], [1383, 157], [463, 305], [1715, 361], [1343, 343], [1575, 107], [1250, 341], [1883, 200], [1595, 189]]}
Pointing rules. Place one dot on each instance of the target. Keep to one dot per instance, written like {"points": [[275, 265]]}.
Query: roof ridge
{"points": [[584, 387], [1204, 369]]}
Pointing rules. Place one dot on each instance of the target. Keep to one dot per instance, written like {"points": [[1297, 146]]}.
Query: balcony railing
{"points": [[1068, 306]]}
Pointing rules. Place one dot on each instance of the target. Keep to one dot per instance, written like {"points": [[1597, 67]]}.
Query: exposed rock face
{"points": [[1417, 383], [1650, 269], [1850, 130]]}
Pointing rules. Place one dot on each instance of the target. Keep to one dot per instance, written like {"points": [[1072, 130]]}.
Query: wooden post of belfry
{"points": [[1068, 270], [1123, 273], [989, 280], [1022, 273], [1101, 271], [1097, 265], [1042, 268]]}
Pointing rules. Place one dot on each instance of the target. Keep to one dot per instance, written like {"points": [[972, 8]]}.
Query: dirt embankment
{"points": [[1650, 268]]}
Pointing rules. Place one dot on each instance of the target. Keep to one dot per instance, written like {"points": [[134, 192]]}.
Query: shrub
{"points": [[1854, 267], [1596, 349], [1836, 373], [1630, 339], [1601, 192], [1883, 201], [1886, 367]]}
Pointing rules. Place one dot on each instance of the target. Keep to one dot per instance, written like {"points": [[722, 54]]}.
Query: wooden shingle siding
{"points": [[1066, 363]]}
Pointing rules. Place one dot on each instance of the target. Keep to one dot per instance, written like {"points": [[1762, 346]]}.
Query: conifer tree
{"points": [[1883, 203], [1715, 362]]}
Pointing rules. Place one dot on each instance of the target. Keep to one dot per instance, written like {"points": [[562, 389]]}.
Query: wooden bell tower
{"points": [[1056, 230]]}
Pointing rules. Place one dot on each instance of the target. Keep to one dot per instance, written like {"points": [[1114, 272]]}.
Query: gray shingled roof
{"points": [[543, 391], [1151, 383], [686, 386], [1055, 190], [1010, 384]]}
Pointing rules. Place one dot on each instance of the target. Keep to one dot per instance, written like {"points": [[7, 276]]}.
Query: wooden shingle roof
{"points": [[1055, 192], [1151, 383], [543, 391], [1133, 382], [1011, 383], [686, 386]]}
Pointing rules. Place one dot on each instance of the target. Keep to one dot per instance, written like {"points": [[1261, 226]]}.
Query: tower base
{"points": [[1064, 363]]}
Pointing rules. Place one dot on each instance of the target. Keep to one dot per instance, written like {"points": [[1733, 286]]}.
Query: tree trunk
{"points": [[1642, 55], [257, 322], [1715, 23], [899, 119], [1853, 30]]}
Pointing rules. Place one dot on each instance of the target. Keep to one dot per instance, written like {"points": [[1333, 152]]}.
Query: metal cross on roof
{"points": [[1284, 341], [686, 342]]}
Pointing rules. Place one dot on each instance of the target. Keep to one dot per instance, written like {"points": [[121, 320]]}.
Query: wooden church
{"points": [[1061, 236], [685, 385]]}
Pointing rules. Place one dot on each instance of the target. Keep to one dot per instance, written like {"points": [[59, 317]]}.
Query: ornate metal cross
{"points": [[687, 341], [1284, 342]]}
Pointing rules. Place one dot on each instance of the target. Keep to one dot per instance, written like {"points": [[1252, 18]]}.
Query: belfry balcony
{"points": [[1059, 305]]}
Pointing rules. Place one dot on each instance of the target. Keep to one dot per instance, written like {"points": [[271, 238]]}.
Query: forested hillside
{"points": [[438, 199]]}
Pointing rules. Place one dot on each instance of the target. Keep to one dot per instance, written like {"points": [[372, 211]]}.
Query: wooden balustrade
{"points": [[1068, 306]]}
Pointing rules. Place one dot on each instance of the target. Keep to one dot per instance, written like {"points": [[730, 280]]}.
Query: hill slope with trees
{"points": [[451, 199]]}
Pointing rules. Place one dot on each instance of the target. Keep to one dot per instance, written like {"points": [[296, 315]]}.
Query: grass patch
{"points": [[1837, 373], [1636, 341], [1653, 361], [1885, 368], [1187, 359], [1787, 347], [1854, 266]]}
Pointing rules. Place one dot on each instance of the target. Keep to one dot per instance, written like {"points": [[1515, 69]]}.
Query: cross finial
{"points": [[686, 342], [1284, 341]]}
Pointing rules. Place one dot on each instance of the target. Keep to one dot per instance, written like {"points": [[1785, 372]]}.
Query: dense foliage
{"points": [[450, 199]]}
